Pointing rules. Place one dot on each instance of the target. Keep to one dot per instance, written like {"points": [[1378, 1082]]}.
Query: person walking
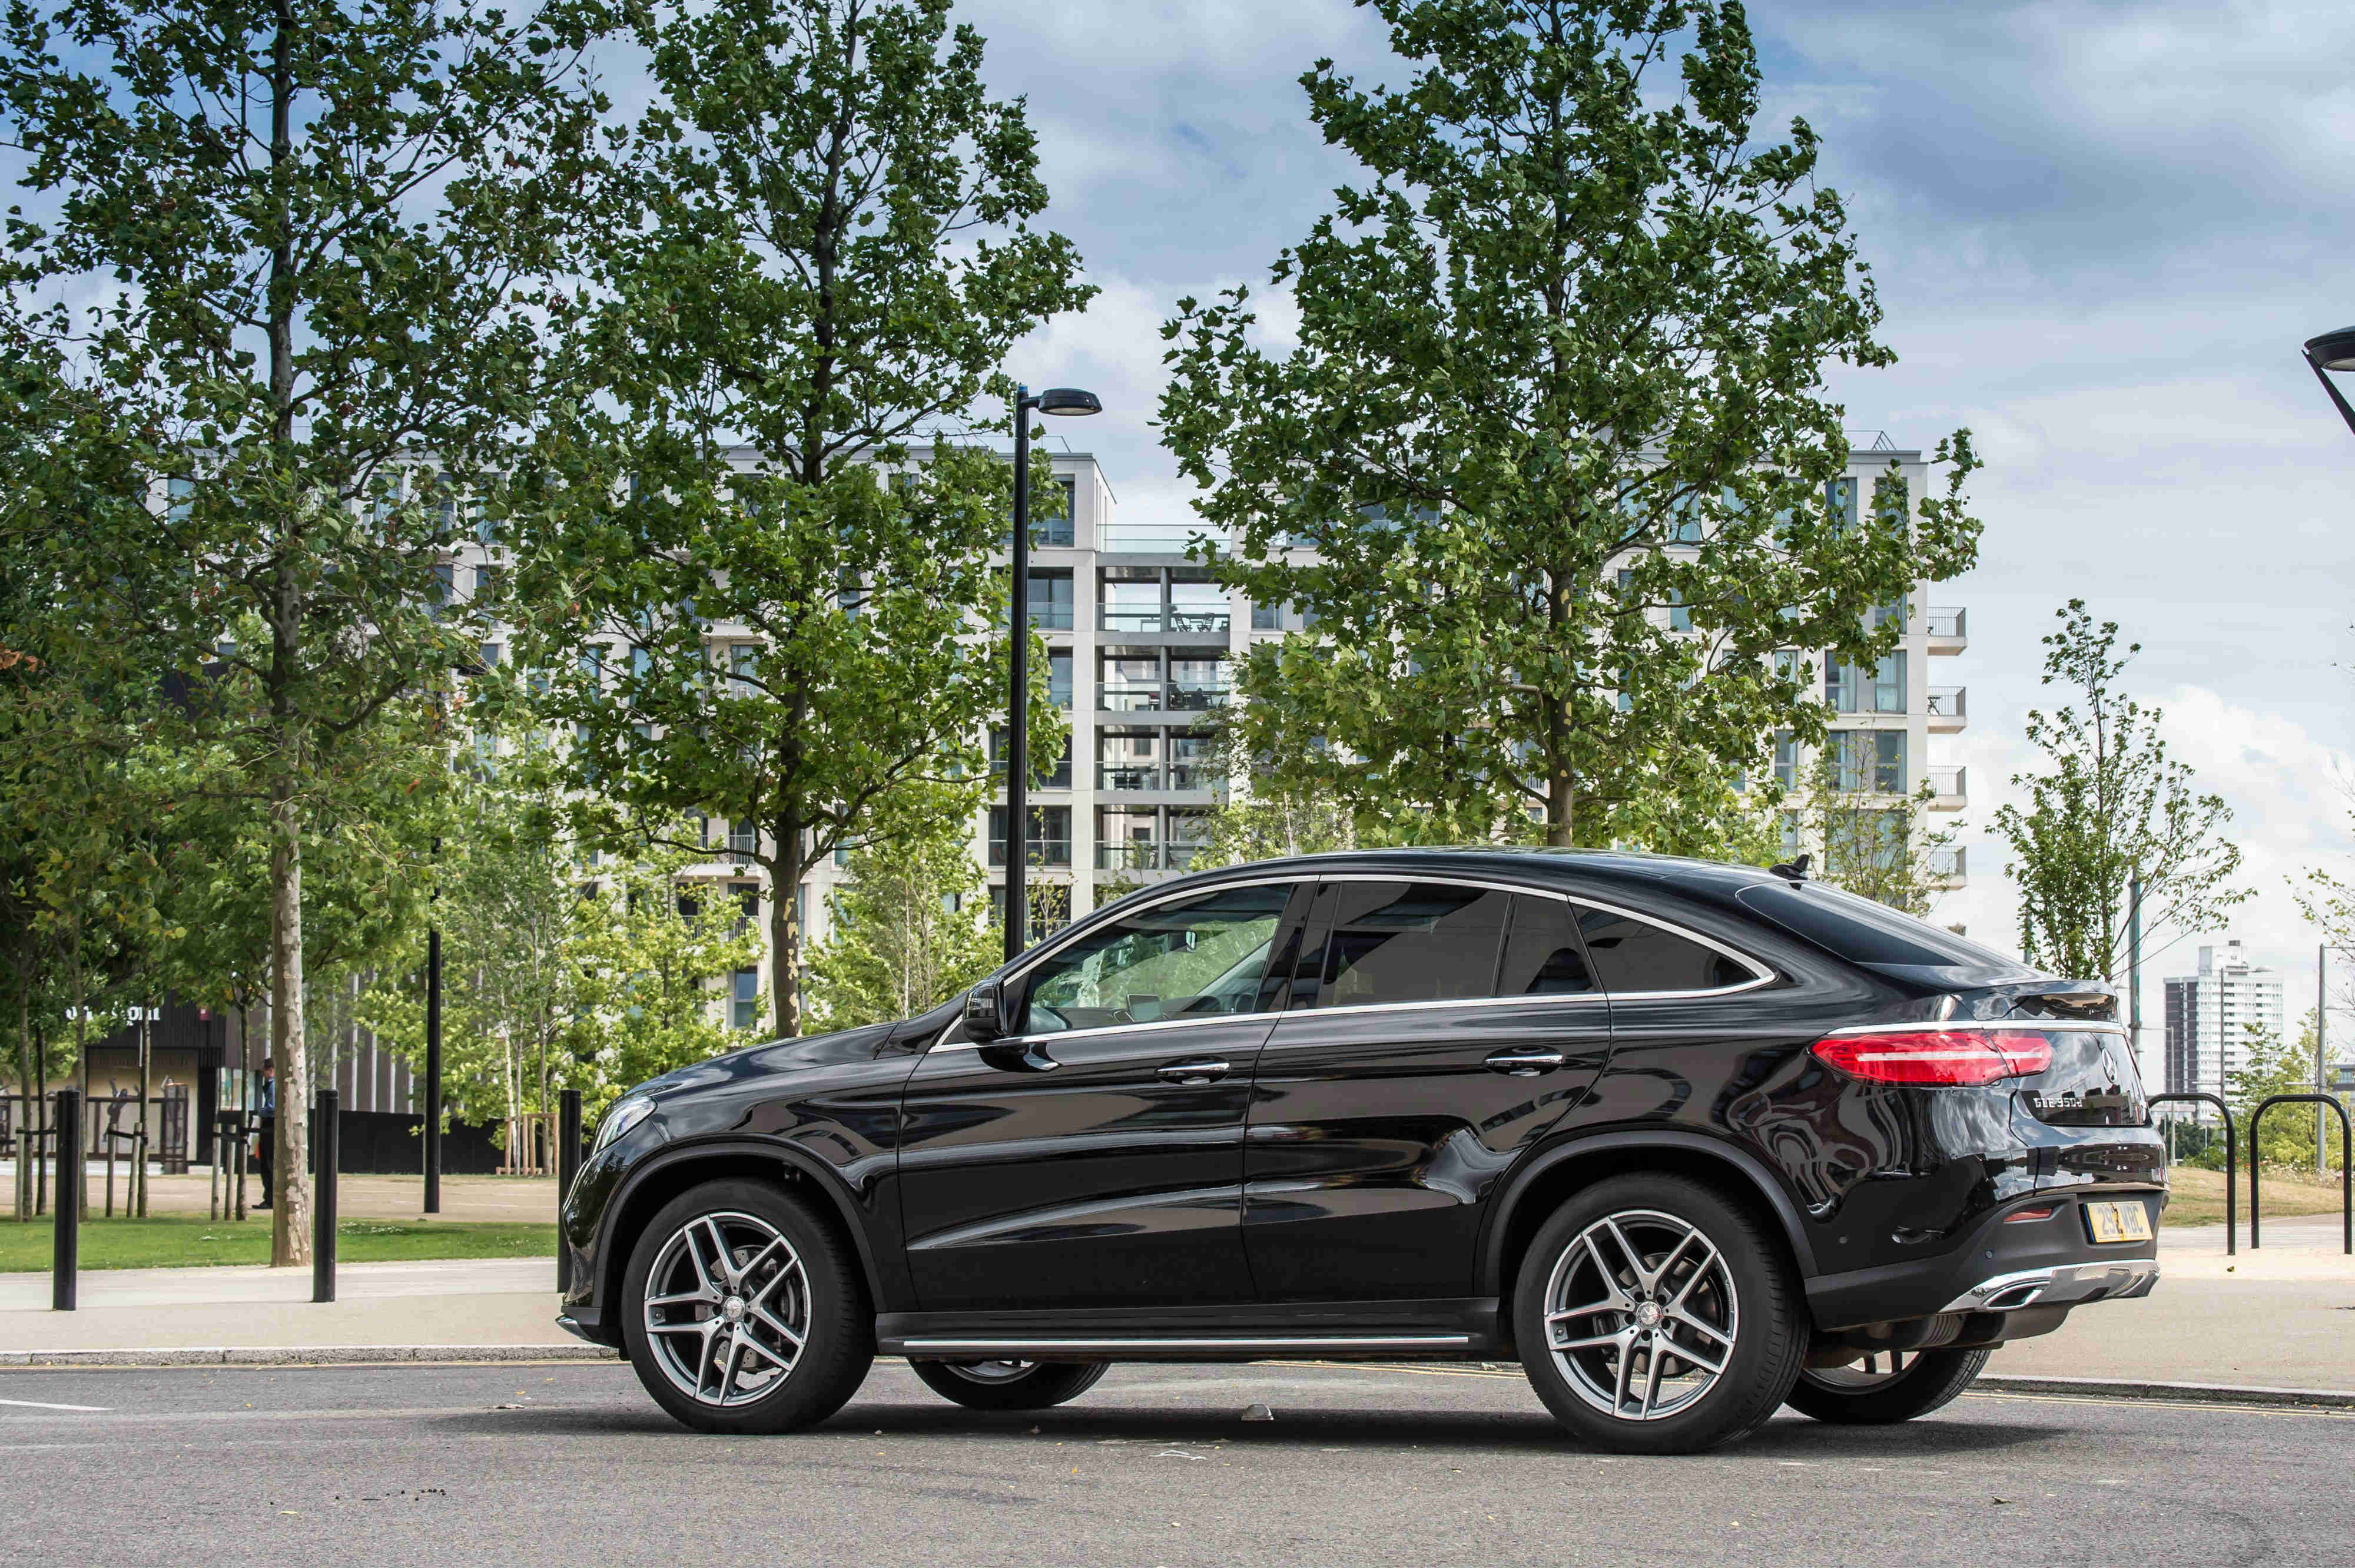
{"points": [[265, 1155]]}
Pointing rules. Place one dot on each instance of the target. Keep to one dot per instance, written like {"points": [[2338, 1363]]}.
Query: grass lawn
{"points": [[2200, 1195], [179, 1241]]}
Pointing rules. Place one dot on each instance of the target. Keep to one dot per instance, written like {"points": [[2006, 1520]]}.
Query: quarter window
{"points": [[1411, 942], [1202, 956], [1543, 956], [1631, 957]]}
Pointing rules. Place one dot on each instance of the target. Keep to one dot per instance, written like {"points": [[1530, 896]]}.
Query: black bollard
{"points": [[67, 1256], [567, 1166], [323, 1198]]}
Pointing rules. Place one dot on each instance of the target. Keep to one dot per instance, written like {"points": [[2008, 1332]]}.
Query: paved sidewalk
{"points": [[2281, 1318], [467, 1301]]}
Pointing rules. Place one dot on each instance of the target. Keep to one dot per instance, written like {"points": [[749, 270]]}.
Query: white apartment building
{"points": [[1142, 646], [2208, 1016]]}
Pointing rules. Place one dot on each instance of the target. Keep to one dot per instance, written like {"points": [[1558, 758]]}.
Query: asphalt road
{"points": [[572, 1464]]}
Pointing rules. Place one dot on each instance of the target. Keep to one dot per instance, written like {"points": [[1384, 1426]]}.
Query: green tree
{"points": [[820, 252], [2111, 806], [910, 928], [1557, 429], [321, 227], [1875, 846], [2271, 1065]]}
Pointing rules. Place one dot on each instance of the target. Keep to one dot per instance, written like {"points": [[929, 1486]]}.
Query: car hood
{"points": [[768, 1061]]}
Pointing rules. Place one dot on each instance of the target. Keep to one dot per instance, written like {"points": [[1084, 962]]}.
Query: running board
{"points": [[1172, 1346]]}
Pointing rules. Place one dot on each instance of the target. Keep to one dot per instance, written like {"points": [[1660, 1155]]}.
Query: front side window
{"points": [[1410, 942], [1196, 958], [1631, 957]]}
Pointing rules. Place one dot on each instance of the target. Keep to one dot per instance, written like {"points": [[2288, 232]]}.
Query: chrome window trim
{"points": [[2040, 1026], [1760, 973]]}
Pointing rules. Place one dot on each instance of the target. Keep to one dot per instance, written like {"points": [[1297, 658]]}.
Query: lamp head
{"points": [[2331, 351], [1069, 400]]}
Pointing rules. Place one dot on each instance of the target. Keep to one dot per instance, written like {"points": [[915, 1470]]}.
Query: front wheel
{"points": [[1656, 1314], [744, 1312], [1008, 1385], [1887, 1386]]}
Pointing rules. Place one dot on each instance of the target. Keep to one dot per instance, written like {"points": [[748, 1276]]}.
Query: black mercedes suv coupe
{"points": [[1690, 1141]]}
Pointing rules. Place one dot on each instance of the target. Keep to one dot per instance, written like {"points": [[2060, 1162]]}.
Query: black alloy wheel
{"points": [[1009, 1385], [744, 1312], [1886, 1386], [1655, 1315]]}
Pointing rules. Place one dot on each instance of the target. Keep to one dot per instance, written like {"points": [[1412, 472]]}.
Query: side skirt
{"points": [[1251, 1331]]}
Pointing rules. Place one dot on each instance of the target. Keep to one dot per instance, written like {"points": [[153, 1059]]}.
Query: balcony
{"points": [[1946, 868], [1948, 631], [1947, 712], [1129, 855], [1197, 696], [1129, 777], [1948, 789], [1151, 538], [1041, 851]]}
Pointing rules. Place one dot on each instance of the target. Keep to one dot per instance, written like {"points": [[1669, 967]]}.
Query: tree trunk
{"points": [[785, 929], [29, 1114], [290, 1214]]}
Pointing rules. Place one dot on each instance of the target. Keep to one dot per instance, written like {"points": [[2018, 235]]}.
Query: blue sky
{"points": [[2100, 232]]}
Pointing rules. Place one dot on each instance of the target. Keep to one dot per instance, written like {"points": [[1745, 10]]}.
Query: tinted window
{"points": [[1190, 958], [1630, 956], [1863, 931], [1542, 954], [1411, 942]]}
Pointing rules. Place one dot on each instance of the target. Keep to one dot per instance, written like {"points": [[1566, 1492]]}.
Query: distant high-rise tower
{"points": [[2209, 1013]]}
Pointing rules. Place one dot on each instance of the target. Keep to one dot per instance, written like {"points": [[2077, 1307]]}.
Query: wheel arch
{"points": [[666, 1175], [1555, 1174]]}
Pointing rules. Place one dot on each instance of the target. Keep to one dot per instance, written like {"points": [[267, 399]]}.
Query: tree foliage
{"points": [[322, 229], [910, 929], [1880, 848], [1557, 428], [819, 251], [2111, 806]]}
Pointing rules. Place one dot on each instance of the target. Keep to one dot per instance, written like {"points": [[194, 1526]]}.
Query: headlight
{"points": [[626, 1113]]}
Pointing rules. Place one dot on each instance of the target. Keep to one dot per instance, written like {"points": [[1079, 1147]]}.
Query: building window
{"points": [[1198, 607], [1049, 842], [1058, 678], [745, 1000], [1870, 761], [1129, 683], [1129, 598], [1860, 688], [1198, 684], [1051, 600], [1128, 759], [1840, 495], [180, 497], [1128, 839], [1183, 839], [1060, 778], [744, 838], [1786, 761]]}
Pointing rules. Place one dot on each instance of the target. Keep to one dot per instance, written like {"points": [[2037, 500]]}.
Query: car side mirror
{"points": [[985, 1017]]}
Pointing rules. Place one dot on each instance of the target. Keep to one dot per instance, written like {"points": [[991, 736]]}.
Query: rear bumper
{"points": [[2002, 1266]]}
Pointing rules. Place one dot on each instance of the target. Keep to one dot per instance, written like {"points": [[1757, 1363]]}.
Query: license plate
{"points": [[2117, 1222]]}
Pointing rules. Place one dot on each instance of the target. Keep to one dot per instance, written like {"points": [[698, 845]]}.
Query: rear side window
{"points": [[1410, 942], [1543, 956], [1632, 956]]}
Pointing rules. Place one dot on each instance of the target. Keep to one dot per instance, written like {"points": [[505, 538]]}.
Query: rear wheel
{"points": [[1008, 1385], [743, 1311], [1656, 1315], [1886, 1386]]}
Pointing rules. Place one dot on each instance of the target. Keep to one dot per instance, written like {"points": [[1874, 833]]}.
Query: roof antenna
{"points": [[1797, 869]]}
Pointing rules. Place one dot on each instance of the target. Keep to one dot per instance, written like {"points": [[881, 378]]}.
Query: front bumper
{"points": [[2002, 1266]]}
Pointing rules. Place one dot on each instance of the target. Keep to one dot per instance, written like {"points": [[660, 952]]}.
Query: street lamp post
{"points": [[1070, 402], [2333, 351]]}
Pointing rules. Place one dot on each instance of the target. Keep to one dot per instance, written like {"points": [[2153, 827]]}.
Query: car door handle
{"points": [[1524, 1064], [1194, 1069]]}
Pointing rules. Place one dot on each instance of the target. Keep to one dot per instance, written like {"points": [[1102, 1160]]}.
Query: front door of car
{"points": [[1436, 1029], [1094, 1155]]}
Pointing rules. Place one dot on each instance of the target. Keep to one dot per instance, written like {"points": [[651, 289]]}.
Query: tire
{"points": [[1626, 1248], [734, 1269], [1009, 1385], [1872, 1395]]}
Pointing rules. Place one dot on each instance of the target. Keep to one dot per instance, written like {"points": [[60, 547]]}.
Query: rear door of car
{"points": [[1435, 1028]]}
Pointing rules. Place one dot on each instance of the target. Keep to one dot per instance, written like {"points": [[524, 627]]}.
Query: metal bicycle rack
{"points": [[2231, 1173], [2346, 1165]]}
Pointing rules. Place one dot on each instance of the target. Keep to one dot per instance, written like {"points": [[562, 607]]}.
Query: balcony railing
{"points": [[1946, 702], [1947, 784], [1948, 865], [1128, 855], [1150, 621], [1120, 618], [1151, 538], [1042, 852], [1947, 624], [1128, 775], [1193, 775], [1204, 621], [1130, 699], [1197, 696]]}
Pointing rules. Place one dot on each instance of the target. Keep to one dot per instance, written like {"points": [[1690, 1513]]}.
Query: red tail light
{"points": [[1936, 1056]]}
